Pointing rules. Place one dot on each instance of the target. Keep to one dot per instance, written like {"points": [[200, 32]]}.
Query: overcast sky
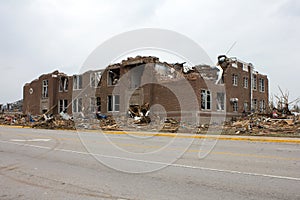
{"points": [[40, 36]]}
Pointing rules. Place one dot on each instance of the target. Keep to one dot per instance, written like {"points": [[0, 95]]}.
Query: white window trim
{"points": [[76, 84], [45, 93], [261, 86], [220, 104], [206, 102], [113, 103], [234, 79], [75, 102]]}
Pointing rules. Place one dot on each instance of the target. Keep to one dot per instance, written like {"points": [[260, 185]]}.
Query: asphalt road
{"points": [[48, 164]]}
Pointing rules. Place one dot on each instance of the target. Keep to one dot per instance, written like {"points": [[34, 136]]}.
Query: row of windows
{"points": [[261, 83], [113, 104], [261, 108]]}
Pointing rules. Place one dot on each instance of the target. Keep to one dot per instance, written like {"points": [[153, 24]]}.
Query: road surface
{"points": [[51, 164]]}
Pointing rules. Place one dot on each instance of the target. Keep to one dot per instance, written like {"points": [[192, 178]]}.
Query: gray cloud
{"points": [[41, 36]]}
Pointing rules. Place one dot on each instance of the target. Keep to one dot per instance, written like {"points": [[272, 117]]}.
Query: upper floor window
{"points": [[45, 89], [113, 76], [254, 83], [234, 64], [234, 79], [95, 79], [245, 67], [245, 82], [63, 84], [261, 85], [205, 99], [77, 82]]}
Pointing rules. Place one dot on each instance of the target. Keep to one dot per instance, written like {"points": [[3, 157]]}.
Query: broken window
{"points": [[254, 84], [92, 104], [77, 82], [62, 105], [136, 76], [77, 105], [98, 103], [45, 89], [261, 85], [205, 99], [113, 103], [245, 67], [254, 104], [63, 84], [113, 76], [95, 79], [246, 107], [234, 64], [220, 101], [245, 82], [262, 106], [234, 79], [235, 106]]}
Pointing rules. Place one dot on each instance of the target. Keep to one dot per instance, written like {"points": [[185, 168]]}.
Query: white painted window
{"points": [[262, 106], [77, 82], [261, 85], [205, 100], [245, 82], [62, 105], [113, 103], [63, 84], [95, 79], [77, 105], [220, 101], [254, 83], [45, 89], [234, 79]]}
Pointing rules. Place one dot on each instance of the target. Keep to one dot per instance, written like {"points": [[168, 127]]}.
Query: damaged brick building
{"points": [[50, 93], [230, 89], [177, 90]]}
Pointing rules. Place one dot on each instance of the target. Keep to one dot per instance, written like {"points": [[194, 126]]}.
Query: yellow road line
{"points": [[178, 135]]}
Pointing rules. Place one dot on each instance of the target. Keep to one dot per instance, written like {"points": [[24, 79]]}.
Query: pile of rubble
{"points": [[140, 114], [170, 125], [108, 123], [51, 122], [264, 125]]}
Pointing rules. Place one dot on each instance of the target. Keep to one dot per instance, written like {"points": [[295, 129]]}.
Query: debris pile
{"points": [[54, 123], [265, 125], [170, 125], [108, 123], [140, 114]]}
